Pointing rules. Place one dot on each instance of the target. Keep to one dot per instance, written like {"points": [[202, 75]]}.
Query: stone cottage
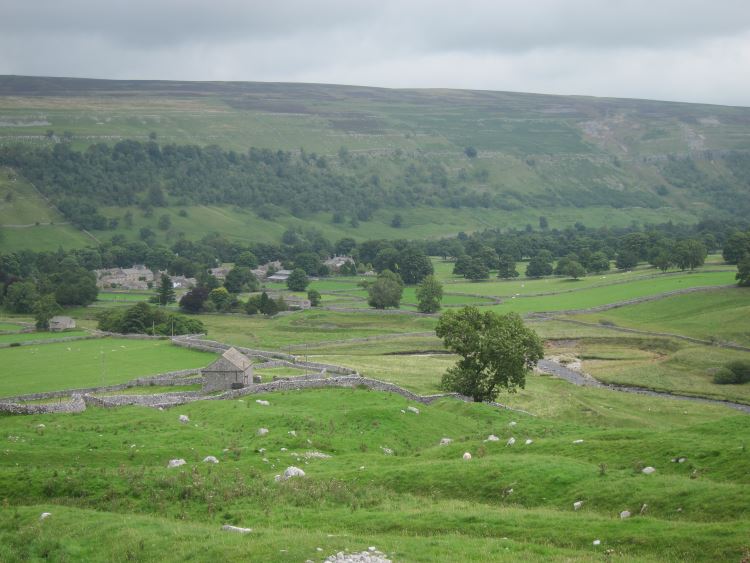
{"points": [[232, 370], [61, 323]]}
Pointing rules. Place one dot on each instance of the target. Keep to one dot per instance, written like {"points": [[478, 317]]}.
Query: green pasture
{"points": [[614, 293], [721, 314], [106, 470], [28, 336], [662, 365], [10, 326], [418, 222], [29, 222], [308, 327], [128, 296], [90, 363]]}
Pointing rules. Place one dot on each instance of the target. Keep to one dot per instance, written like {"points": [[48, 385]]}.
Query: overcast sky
{"points": [[689, 50]]}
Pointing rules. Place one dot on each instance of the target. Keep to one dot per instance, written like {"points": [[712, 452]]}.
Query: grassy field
{"points": [[28, 222], [308, 327], [10, 326], [421, 504], [26, 336], [88, 363], [721, 315]]}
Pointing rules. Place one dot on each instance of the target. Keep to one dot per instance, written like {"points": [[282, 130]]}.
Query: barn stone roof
{"points": [[231, 360]]}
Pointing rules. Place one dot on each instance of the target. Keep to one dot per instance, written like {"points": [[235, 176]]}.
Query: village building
{"points": [[337, 262], [232, 370], [280, 276], [136, 277], [181, 282], [58, 323], [219, 273], [261, 272]]}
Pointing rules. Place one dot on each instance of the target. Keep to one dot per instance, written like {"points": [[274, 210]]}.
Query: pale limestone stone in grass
{"points": [[184, 418], [387, 451], [624, 514], [512, 423], [577, 504], [528, 442], [415, 410], [45, 515], [210, 459], [492, 438], [262, 402], [262, 431], [292, 433], [445, 441], [648, 470], [176, 462], [236, 529], [510, 441], [597, 542], [578, 441], [292, 471], [467, 456]]}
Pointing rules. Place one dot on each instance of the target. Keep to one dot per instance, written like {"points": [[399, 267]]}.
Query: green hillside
{"points": [[594, 160]]}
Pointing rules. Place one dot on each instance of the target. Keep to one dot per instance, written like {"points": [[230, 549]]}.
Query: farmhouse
{"points": [[232, 370], [61, 323]]}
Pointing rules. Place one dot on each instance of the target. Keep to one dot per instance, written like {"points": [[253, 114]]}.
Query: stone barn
{"points": [[58, 323], [232, 370]]}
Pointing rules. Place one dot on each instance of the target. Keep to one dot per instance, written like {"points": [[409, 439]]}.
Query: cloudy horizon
{"points": [[691, 51]]}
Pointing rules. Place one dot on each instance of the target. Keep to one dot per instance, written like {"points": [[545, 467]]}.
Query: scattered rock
{"points": [[292, 471], [648, 470], [184, 418], [283, 449], [512, 423], [415, 410], [528, 442], [578, 441], [597, 542], [403, 411], [45, 515], [644, 508], [262, 431], [372, 555], [176, 462], [292, 433], [577, 504], [492, 438], [679, 459], [316, 455], [387, 451], [467, 456], [236, 529], [510, 441], [210, 459], [624, 514], [445, 441], [262, 402], [41, 426]]}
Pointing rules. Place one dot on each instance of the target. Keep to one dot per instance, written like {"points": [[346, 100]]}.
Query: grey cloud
{"points": [[685, 50]]}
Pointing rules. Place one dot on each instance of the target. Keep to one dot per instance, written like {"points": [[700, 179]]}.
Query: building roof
{"points": [[61, 319], [230, 360]]}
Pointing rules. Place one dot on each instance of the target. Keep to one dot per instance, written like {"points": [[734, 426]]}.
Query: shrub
{"points": [[725, 376], [741, 369]]}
